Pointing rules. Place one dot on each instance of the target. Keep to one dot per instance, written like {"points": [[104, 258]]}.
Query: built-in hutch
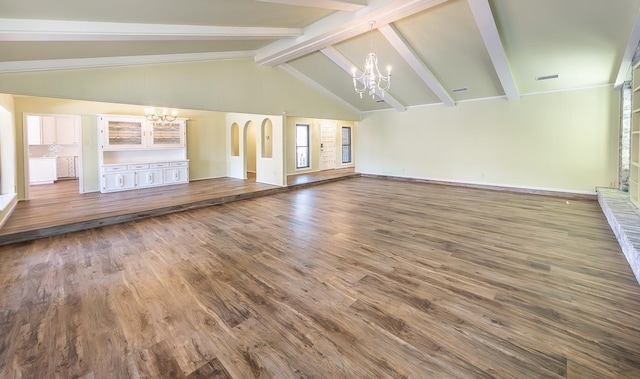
{"points": [[137, 153], [634, 170]]}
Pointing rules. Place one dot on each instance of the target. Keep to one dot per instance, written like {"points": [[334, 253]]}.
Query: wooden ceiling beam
{"points": [[409, 55], [339, 27], [57, 30], [489, 31], [323, 4]]}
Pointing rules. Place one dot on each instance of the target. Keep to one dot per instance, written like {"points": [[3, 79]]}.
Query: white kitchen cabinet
{"points": [[66, 130], [149, 178], [122, 177], [42, 170], [48, 130], [178, 172], [66, 167], [145, 154], [134, 132], [169, 135], [118, 181], [52, 130], [122, 132], [34, 130]]}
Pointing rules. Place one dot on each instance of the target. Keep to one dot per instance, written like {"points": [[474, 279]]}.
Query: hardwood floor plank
{"points": [[355, 278]]}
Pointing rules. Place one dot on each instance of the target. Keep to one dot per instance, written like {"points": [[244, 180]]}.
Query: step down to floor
{"points": [[624, 219]]}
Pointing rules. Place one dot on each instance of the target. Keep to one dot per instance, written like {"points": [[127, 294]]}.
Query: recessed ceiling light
{"points": [[548, 77], [461, 89]]}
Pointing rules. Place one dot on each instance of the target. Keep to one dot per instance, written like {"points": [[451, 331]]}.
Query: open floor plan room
{"points": [[363, 277]]}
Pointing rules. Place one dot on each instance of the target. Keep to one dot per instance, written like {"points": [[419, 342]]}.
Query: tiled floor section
{"points": [[624, 218]]}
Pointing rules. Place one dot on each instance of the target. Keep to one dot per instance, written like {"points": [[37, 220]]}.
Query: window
{"points": [[235, 140], [302, 146], [346, 144]]}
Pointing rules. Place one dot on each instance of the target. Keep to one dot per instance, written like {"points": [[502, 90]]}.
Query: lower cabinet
{"points": [[42, 170], [118, 181], [143, 175]]}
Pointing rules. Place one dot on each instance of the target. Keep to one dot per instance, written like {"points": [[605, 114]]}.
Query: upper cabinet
{"points": [[123, 132], [52, 130], [135, 132], [168, 135]]}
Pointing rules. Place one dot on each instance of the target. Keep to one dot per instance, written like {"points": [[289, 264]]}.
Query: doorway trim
{"points": [[25, 149]]}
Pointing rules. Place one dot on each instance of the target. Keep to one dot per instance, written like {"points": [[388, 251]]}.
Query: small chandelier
{"points": [[371, 78], [161, 117]]}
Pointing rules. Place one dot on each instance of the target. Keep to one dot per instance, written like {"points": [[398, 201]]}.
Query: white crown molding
{"points": [[346, 65], [292, 71], [56, 30], [323, 4], [489, 31], [339, 27], [70, 64]]}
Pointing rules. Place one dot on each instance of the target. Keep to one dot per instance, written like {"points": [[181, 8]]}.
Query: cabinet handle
{"points": [[120, 181], [176, 175], [149, 177]]}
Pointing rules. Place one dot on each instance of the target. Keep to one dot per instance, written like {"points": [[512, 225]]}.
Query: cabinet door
{"points": [[174, 175], [34, 130], [118, 181], [149, 178], [66, 131], [123, 133], [62, 167], [42, 171], [168, 135], [48, 130]]}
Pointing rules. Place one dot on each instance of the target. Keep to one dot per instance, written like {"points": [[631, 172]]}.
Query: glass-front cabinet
{"points": [[127, 133], [123, 133], [168, 135]]}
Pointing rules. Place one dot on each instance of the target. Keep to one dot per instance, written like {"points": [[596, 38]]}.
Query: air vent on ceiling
{"points": [[548, 77], [461, 89]]}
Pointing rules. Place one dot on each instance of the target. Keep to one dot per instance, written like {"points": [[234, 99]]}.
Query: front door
{"points": [[327, 146]]}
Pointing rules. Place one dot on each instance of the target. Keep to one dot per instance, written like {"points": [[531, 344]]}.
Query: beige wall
{"points": [[314, 141], [558, 141], [8, 177], [237, 85], [205, 136]]}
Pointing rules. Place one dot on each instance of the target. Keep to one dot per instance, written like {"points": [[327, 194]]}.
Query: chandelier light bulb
{"points": [[161, 117], [372, 79]]}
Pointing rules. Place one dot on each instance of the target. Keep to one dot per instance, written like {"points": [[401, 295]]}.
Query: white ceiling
{"points": [[492, 47]]}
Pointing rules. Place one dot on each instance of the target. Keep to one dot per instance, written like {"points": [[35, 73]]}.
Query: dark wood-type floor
{"points": [[361, 278], [59, 208]]}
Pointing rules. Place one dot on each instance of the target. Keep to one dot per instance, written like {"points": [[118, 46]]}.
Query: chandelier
{"points": [[371, 78], [161, 117]]}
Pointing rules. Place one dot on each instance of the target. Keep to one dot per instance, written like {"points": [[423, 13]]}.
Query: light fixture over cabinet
{"points": [[162, 116]]}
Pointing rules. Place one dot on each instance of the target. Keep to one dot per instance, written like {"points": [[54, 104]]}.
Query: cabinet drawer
{"points": [[115, 168], [159, 165], [138, 166], [179, 164]]}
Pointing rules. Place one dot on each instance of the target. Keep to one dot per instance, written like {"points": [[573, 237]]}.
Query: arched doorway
{"points": [[250, 151]]}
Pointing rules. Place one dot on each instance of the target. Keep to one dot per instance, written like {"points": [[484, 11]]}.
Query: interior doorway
{"points": [[52, 155], [250, 149]]}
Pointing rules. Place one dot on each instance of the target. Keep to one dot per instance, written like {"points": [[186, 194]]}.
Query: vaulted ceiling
{"points": [[441, 51]]}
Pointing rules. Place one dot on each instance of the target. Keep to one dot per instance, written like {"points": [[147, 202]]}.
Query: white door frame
{"points": [[25, 149]]}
